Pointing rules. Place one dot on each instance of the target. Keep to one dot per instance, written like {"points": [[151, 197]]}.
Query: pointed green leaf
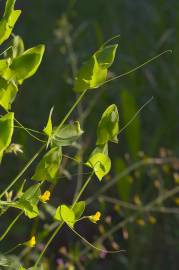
{"points": [[6, 131], [100, 163], [64, 213], [108, 127], [66, 135], [48, 128], [94, 72], [17, 47], [26, 64], [28, 201], [8, 21], [105, 56], [48, 166], [30, 210], [9, 7], [32, 194], [78, 209]]}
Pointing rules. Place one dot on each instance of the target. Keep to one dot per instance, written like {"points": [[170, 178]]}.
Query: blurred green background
{"points": [[71, 31]]}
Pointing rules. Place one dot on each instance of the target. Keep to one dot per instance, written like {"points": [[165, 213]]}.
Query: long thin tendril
{"points": [[94, 247], [135, 115]]}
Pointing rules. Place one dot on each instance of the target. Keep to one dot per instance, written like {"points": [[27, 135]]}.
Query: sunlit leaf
{"points": [[17, 46], [4, 64], [6, 131], [108, 127], [32, 194], [48, 128], [48, 166], [78, 209], [103, 148], [29, 200], [16, 49], [105, 56], [26, 64], [64, 213], [94, 72], [30, 210], [66, 135], [8, 21], [8, 91], [100, 163]]}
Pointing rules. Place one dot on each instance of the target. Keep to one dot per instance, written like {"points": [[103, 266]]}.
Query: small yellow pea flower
{"points": [[45, 196], [177, 201], [152, 220], [176, 178], [31, 243], [96, 217]]}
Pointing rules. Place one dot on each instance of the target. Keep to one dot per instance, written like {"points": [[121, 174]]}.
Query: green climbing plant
{"points": [[18, 64]]}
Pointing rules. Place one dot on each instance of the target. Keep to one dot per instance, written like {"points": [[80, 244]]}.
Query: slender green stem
{"points": [[73, 63], [109, 40], [72, 175], [43, 146], [80, 171], [62, 223], [94, 247], [6, 203], [31, 161], [10, 226], [82, 189], [74, 159], [136, 68], [28, 131], [12, 249], [72, 108], [135, 115], [80, 113], [48, 243], [22, 172], [6, 50]]}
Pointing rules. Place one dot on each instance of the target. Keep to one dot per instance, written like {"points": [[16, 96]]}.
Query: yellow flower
{"points": [[152, 220], [176, 178], [45, 196], [31, 243], [177, 201], [96, 217]]}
